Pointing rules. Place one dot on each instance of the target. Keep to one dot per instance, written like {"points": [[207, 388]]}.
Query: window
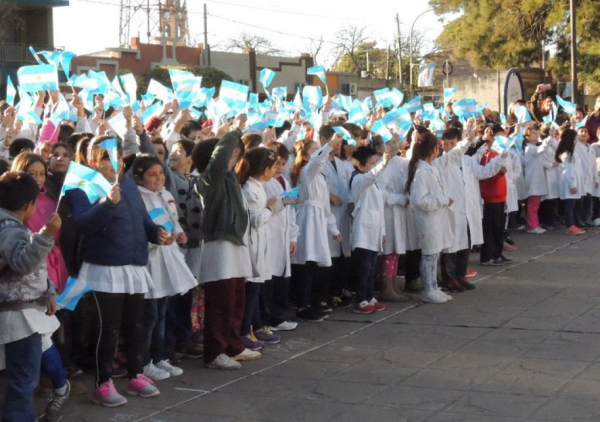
{"points": [[167, 30]]}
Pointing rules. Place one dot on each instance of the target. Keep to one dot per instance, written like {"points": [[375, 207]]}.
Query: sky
{"points": [[86, 26]]}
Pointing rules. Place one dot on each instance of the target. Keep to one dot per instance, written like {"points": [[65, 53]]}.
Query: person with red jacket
{"points": [[493, 192]]}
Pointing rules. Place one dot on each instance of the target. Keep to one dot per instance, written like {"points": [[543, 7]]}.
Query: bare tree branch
{"points": [[260, 44]]}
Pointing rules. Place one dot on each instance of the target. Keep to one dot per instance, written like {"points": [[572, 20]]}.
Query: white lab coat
{"points": [[535, 176], [514, 177], [259, 214], [313, 214], [463, 187], [395, 198], [569, 176], [337, 183], [368, 222], [552, 173], [282, 230], [583, 163], [596, 148], [429, 200]]}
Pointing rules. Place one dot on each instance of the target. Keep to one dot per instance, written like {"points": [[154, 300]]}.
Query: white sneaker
{"points": [[154, 373], [443, 294], [597, 222], [537, 230], [225, 363], [285, 326], [247, 354], [165, 365], [432, 296]]}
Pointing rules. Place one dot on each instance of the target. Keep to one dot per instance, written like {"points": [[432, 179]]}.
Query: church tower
{"points": [[173, 22]]}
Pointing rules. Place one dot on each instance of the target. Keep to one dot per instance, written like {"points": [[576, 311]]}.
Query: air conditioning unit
{"points": [[352, 89]]}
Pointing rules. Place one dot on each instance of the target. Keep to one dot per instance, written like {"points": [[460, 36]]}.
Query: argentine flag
{"points": [[413, 105], [74, 291], [43, 77], [357, 116], [151, 111], [567, 106], [160, 218], [448, 94], [312, 98], [234, 94], [381, 129], [318, 71], [130, 87], [465, 108], [266, 77], [522, 114], [90, 181], [160, 91], [11, 92], [345, 134]]}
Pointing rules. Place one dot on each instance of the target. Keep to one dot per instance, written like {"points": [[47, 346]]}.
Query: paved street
{"points": [[523, 346]]}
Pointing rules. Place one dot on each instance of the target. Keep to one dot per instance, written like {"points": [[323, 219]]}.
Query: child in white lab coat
{"points": [[368, 225], [570, 179], [535, 178], [549, 206]]}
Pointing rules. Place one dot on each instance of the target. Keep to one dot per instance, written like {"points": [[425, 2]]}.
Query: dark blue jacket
{"points": [[114, 235]]}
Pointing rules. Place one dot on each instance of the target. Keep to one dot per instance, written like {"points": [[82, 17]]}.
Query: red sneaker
{"points": [[471, 273], [509, 248], [364, 308], [378, 305], [575, 230]]}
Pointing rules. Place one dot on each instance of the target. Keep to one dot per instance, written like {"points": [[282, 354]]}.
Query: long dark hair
{"points": [[421, 150], [141, 164], [254, 163], [566, 144]]}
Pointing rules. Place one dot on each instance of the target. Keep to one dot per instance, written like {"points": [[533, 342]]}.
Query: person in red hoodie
{"points": [[493, 192]]}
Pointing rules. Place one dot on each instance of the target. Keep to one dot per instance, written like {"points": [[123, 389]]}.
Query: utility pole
{"points": [[148, 33], [573, 52], [412, 28], [205, 52], [399, 52]]}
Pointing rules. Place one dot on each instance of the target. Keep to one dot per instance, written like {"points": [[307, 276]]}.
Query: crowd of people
{"points": [[209, 233]]}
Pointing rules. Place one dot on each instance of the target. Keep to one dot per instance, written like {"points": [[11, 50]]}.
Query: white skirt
{"points": [[130, 279], [169, 272]]}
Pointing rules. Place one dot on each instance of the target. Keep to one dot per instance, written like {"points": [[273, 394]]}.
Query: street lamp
{"points": [[410, 49]]}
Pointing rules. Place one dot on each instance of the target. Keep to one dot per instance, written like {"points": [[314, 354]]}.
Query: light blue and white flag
{"points": [[36, 78], [503, 119], [217, 110], [568, 107], [501, 144], [65, 61], [112, 147], [388, 98], [292, 193], [345, 134], [266, 77], [89, 181], [312, 98], [448, 94], [381, 129], [517, 141], [203, 97], [73, 292], [522, 114], [357, 116], [465, 107], [130, 87], [426, 74], [234, 94], [581, 123], [404, 128], [413, 105], [61, 112], [29, 116], [318, 71], [160, 91], [160, 218], [151, 111], [181, 79], [119, 124], [280, 93], [396, 116], [11, 92], [298, 100], [368, 103]]}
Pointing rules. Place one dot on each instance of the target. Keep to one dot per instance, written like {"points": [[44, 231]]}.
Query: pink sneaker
{"points": [[106, 395], [142, 386]]}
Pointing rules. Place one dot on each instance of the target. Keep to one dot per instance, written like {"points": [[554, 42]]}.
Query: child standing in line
{"points": [[368, 226], [570, 179], [116, 232], [591, 180], [549, 205], [25, 296], [166, 265], [314, 219], [258, 166], [535, 178], [283, 235]]}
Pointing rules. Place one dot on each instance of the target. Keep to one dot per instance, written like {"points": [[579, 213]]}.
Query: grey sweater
{"points": [[23, 274]]}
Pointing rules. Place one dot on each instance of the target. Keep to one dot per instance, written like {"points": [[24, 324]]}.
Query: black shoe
{"points": [[412, 287], [505, 260], [189, 351], [508, 239], [310, 315], [119, 371], [323, 307], [342, 301], [492, 263]]}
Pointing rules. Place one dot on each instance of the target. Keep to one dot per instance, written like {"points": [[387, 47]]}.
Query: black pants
{"points": [[595, 207], [339, 276], [584, 208], [493, 231], [413, 262], [549, 212], [310, 283], [364, 266], [274, 300], [454, 265], [120, 311], [178, 323]]}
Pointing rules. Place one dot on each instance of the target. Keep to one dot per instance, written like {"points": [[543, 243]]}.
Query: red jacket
{"points": [[493, 190]]}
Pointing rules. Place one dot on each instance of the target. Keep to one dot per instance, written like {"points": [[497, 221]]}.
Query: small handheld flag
{"points": [[90, 181], [345, 134], [266, 77], [318, 71], [11, 92], [160, 218], [448, 94], [43, 77], [381, 129], [74, 291], [112, 147], [568, 107]]}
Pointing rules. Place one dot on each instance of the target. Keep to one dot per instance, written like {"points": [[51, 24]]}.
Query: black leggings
{"points": [[116, 311]]}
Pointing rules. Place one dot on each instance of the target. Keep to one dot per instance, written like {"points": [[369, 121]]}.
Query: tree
{"points": [[260, 44], [314, 48], [500, 34], [349, 41], [211, 77]]}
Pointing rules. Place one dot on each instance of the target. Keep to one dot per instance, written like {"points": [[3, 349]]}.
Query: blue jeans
{"points": [[252, 309], [155, 311], [570, 215], [52, 367], [429, 271], [364, 266], [23, 361]]}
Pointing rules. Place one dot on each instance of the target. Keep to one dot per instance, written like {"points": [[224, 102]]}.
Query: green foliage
{"points": [[211, 77], [500, 34]]}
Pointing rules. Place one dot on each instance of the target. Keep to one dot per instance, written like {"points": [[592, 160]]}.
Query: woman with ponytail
{"points": [[570, 177], [431, 204]]}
